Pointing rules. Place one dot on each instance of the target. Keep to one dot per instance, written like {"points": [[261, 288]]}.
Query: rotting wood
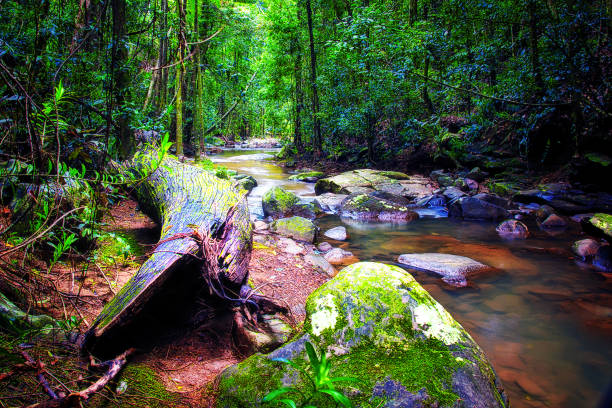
{"points": [[196, 211]]}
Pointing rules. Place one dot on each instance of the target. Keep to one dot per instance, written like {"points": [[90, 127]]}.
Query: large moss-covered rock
{"points": [[602, 223], [375, 207], [278, 202], [375, 322], [298, 228], [367, 181]]}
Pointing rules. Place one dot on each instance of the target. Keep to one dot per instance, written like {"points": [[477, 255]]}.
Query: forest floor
{"points": [[186, 361]]}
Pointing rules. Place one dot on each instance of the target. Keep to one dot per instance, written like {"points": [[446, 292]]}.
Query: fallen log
{"points": [[202, 218]]}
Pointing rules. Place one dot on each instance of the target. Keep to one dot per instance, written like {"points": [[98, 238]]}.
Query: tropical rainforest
{"points": [[107, 102]]}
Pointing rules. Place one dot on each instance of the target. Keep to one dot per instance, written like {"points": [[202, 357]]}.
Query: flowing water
{"points": [[544, 320]]}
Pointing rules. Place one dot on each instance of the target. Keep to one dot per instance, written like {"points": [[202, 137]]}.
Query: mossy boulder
{"points": [[375, 207], [602, 223], [481, 207], [309, 177], [376, 323], [278, 203], [359, 181], [298, 228], [244, 182]]}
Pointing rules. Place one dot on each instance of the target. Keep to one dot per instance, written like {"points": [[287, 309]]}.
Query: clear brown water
{"points": [[544, 320]]}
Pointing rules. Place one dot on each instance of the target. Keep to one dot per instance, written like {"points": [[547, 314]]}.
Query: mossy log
{"points": [[195, 209]]}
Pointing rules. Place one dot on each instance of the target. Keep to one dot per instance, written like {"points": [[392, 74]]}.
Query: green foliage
{"points": [[319, 379]]}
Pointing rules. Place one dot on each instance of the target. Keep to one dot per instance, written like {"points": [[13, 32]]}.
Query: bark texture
{"points": [[196, 211]]}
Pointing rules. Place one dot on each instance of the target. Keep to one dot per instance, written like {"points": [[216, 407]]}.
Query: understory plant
{"points": [[320, 383]]}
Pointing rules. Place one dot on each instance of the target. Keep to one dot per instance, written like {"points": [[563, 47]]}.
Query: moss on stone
{"points": [[306, 175], [277, 200], [503, 188], [603, 222], [295, 227]]}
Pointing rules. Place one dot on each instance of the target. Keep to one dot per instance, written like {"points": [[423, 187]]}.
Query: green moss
{"points": [[137, 385], [602, 222], [303, 176], [502, 188], [420, 364], [280, 199], [599, 159], [295, 227]]}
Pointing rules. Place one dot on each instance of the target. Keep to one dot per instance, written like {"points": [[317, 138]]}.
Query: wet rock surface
{"points": [[336, 233], [453, 269], [512, 229], [298, 228], [373, 207]]}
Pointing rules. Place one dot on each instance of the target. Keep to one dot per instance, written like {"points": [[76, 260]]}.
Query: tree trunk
{"points": [[121, 79], [180, 69], [203, 220], [316, 140], [535, 53]]}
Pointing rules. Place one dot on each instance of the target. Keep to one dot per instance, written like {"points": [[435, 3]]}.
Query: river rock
{"points": [[289, 246], [309, 177], [602, 224], [454, 269], [339, 256], [586, 248], [477, 174], [543, 212], [260, 225], [298, 228], [553, 221], [324, 246], [512, 229], [369, 207], [278, 203], [376, 323], [365, 181], [603, 258], [480, 207], [321, 263], [453, 194], [337, 233], [330, 202], [244, 182]]}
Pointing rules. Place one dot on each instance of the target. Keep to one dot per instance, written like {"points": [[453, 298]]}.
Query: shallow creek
{"points": [[544, 320]]}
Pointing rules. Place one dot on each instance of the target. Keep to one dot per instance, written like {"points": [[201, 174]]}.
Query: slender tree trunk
{"points": [[413, 11], [198, 120], [162, 73], [121, 79], [299, 94], [533, 42], [425, 90], [180, 68], [316, 140]]}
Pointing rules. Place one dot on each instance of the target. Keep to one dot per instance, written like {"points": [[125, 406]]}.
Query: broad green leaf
{"points": [[338, 397]]}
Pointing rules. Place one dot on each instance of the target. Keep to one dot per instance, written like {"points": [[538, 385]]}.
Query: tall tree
{"points": [[316, 139], [121, 79], [180, 69]]}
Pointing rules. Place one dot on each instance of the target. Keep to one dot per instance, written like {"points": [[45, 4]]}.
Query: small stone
{"points": [[512, 229], [298, 228], [339, 256], [603, 258], [337, 233], [586, 248], [260, 225], [472, 185], [321, 263], [454, 269], [289, 246], [544, 212], [325, 246], [554, 221]]}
